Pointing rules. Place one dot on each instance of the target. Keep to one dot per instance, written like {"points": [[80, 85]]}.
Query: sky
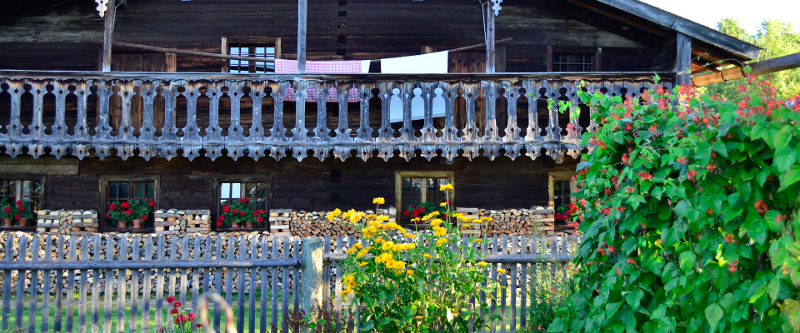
{"points": [[750, 13]]}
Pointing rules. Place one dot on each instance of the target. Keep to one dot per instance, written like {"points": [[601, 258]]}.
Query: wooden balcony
{"points": [[216, 114]]}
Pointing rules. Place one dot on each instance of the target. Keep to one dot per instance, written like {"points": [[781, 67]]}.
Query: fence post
{"points": [[311, 281]]}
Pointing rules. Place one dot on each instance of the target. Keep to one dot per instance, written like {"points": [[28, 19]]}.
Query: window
{"points": [[254, 189], [415, 187], [570, 62], [560, 187], [128, 189], [573, 59], [252, 51], [26, 189]]}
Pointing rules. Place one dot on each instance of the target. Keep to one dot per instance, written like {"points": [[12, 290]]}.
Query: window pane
{"points": [[261, 191], [416, 185], [406, 185], [251, 204], [8, 187], [26, 188], [236, 190], [138, 190], [123, 191], [225, 190], [251, 190], [113, 191], [405, 201], [37, 187], [261, 204]]}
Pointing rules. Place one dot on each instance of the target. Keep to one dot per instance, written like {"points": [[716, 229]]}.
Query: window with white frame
{"points": [[251, 51]]}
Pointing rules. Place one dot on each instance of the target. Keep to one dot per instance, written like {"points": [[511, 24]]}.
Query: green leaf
{"points": [[771, 220], [687, 260], [791, 177], [784, 135], [634, 298], [714, 314], [703, 152], [773, 288], [791, 314], [783, 158], [719, 147], [556, 326]]}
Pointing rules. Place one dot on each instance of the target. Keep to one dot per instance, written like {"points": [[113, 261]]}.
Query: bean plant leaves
{"points": [[714, 313]]}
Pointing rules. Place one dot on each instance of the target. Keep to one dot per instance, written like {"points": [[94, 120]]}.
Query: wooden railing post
{"points": [[311, 281]]}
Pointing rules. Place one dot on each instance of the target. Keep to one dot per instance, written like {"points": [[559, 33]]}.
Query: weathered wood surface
{"points": [[116, 133]]}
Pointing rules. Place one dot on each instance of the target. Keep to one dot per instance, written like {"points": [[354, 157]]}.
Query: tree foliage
{"points": [[778, 39], [689, 209]]}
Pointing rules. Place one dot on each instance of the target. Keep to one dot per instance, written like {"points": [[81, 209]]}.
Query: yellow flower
{"points": [[441, 241], [501, 271], [467, 226], [394, 264], [351, 250], [409, 272], [447, 187], [362, 264], [483, 263], [349, 280], [436, 222], [334, 214], [478, 240], [346, 292], [362, 253], [357, 246], [443, 204], [385, 257], [382, 218], [426, 255], [379, 201], [487, 219]]}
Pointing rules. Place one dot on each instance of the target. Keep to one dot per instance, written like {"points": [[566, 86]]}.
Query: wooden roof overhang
{"points": [[480, 135], [650, 25]]}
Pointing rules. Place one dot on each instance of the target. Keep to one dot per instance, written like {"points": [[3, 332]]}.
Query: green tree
{"points": [[778, 39]]}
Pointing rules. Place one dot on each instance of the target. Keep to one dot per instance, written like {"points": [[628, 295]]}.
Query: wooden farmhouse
{"points": [[190, 103]]}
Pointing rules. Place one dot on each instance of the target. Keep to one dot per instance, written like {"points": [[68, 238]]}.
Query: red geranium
{"points": [[177, 304], [174, 311], [7, 210], [233, 210], [219, 223], [112, 206], [190, 316], [124, 205], [221, 218], [128, 212], [108, 217], [180, 319], [262, 211], [226, 208], [243, 200], [19, 203], [151, 203], [144, 218], [405, 213], [17, 216], [259, 219], [241, 213], [21, 208], [255, 213]]}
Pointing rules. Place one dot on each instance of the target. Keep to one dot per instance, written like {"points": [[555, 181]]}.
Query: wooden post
{"points": [[311, 280], [107, 32], [302, 17], [490, 67], [684, 60], [224, 51]]}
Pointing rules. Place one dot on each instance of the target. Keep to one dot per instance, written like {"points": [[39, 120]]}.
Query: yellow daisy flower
{"points": [[447, 187], [379, 201]]}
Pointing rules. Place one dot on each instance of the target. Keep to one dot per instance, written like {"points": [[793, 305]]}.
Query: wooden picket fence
{"points": [[65, 284]]}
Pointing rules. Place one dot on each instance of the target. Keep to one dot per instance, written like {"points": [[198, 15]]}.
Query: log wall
{"points": [[48, 37]]}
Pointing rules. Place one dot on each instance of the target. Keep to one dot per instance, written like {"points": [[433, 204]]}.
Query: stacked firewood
{"points": [[316, 224]]}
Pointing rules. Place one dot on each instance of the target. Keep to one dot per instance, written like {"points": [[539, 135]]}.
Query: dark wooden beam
{"points": [[107, 35], [302, 29], [620, 18], [684, 59]]}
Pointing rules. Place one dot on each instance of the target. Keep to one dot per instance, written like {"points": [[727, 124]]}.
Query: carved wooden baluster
{"points": [[59, 130], [512, 128], [36, 129], [490, 96], [386, 133], [343, 131], [126, 92], [592, 88], [470, 95], [81, 129], [299, 132], [235, 129], [256, 129], [147, 132], [104, 93], [191, 133], [573, 134], [213, 132], [428, 130], [364, 131], [278, 132], [532, 91], [553, 131], [450, 93], [14, 127], [407, 93], [170, 93], [321, 131]]}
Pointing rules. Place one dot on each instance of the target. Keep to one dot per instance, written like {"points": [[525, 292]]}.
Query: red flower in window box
{"points": [[112, 206], [124, 205], [17, 216], [108, 217], [226, 208], [21, 208], [7, 209], [262, 211], [143, 218], [129, 212], [233, 210], [241, 213], [255, 213], [243, 200], [151, 203], [259, 219], [20, 203]]}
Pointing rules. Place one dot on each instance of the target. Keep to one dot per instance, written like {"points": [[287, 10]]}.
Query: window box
{"points": [[254, 189], [127, 189]]}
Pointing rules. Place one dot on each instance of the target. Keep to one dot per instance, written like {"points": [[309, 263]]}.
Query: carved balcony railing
{"points": [[186, 114]]}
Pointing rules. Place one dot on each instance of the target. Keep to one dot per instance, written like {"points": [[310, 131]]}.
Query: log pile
{"points": [[178, 222], [315, 224], [67, 222]]}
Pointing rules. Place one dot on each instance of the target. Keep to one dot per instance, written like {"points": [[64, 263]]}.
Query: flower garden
{"points": [[687, 205]]}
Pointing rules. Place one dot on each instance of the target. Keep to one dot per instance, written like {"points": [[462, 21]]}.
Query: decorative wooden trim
{"points": [[398, 184]]}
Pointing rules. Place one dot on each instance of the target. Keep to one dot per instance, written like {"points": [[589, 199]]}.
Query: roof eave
{"points": [[687, 27]]}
